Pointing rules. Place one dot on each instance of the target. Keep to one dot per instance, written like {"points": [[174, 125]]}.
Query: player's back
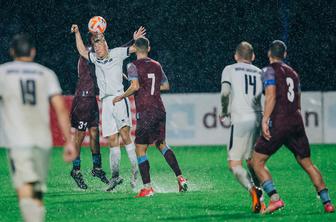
{"points": [[87, 82], [246, 90], [25, 89], [287, 88], [150, 77]]}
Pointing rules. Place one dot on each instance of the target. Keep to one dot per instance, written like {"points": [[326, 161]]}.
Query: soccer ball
{"points": [[97, 24]]}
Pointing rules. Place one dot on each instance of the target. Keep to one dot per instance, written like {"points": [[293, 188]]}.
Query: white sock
{"points": [[31, 211], [130, 148], [115, 157], [242, 176]]}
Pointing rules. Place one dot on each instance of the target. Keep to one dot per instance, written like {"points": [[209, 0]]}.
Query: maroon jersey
{"points": [[287, 84], [286, 124], [150, 75], [87, 83]]}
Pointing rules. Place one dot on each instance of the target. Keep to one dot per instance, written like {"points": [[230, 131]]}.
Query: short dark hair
{"points": [[22, 44], [142, 44], [245, 50], [277, 49]]}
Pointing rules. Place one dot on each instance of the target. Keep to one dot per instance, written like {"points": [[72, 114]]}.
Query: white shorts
{"points": [[243, 137], [29, 166], [115, 117]]}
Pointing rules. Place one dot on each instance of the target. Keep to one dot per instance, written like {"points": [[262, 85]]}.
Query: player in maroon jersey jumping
{"points": [[147, 80], [282, 124], [85, 115]]}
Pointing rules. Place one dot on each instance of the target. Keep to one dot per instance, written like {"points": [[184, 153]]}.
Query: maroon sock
{"points": [[172, 161], [144, 171]]}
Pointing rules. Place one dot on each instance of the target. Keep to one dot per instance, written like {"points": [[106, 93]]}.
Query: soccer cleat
{"points": [[114, 182], [100, 173], [261, 199], [145, 192], [78, 177], [182, 183], [134, 178], [329, 208], [258, 204], [273, 206]]}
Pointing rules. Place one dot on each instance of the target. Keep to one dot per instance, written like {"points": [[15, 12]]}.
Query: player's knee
{"points": [[25, 191], [160, 145], [256, 163], [114, 140], [237, 170], [94, 133], [125, 135]]}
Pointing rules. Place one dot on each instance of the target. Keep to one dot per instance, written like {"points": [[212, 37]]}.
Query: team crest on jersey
{"points": [[105, 61]]}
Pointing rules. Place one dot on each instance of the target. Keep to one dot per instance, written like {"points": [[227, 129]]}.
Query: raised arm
{"points": [[79, 42]]}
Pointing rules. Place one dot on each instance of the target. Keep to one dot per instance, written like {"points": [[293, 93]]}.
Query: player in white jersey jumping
{"points": [[116, 119], [25, 90], [241, 91]]}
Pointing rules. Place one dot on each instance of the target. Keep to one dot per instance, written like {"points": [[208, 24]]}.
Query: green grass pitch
{"points": [[214, 194]]}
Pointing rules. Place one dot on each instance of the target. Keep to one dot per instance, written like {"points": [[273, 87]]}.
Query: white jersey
{"points": [[109, 71], [246, 90], [25, 90]]}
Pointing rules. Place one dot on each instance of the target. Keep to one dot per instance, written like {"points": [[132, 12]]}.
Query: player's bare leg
{"points": [[258, 162], [144, 168], [130, 149], [75, 172], [97, 170], [31, 204], [115, 157], [244, 178], [169, 155], [318, 182]]}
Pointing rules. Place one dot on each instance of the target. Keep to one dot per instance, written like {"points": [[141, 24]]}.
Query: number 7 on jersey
{"points": [[152, 76]]}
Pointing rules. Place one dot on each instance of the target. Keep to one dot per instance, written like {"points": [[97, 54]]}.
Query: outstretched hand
{"points": [[74, 28], [225, 120], [139, 33], [70, 152], [117, 99]]}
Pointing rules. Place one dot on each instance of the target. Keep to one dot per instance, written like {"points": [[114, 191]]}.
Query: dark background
{"points": [[193, 40]]}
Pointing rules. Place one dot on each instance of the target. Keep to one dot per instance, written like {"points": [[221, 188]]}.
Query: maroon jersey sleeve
{"points": [[268, 77], [132, 72], [164, 77]]}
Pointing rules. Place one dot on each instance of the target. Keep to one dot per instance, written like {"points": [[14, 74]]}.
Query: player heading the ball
{"points": [[116, 119]]}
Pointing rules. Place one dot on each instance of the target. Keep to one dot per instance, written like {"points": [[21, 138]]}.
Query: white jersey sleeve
{"points": [[54, 87], [120, 52], [92, 57], [226, 75], [226, 81]]}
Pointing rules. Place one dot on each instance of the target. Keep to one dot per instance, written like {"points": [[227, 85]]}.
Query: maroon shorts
{"points": [[84, 113], [285, 130], [151, 128]]}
